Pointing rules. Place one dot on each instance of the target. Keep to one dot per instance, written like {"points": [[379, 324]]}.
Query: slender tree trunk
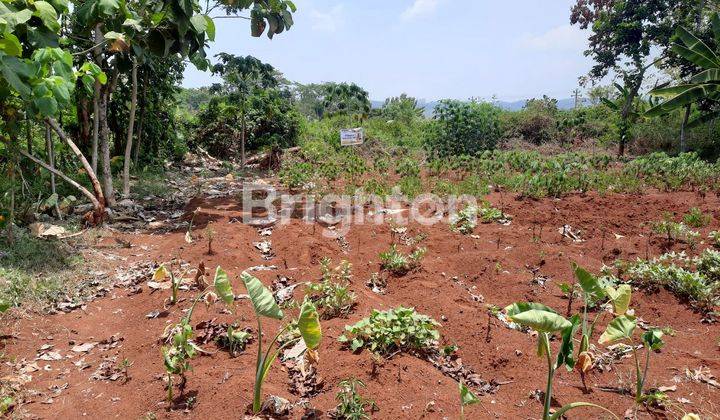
{"points": [[130, 129], [143, 107], [96, 126], [11, 216], [28, 134], [242, 140], [99, 197], [50, 150], [683, 144]]}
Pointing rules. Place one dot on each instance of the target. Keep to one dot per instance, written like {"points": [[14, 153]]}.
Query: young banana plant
{"points": [[547, 322], [265, 306], [467, 397], [622, 327]]}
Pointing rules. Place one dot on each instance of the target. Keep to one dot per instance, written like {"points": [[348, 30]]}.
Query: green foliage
{"points": [[696, 218], [398, 263], [464, 128], [352, 405], [332, 294], [714, 238], [675, 231], [399, 329]]}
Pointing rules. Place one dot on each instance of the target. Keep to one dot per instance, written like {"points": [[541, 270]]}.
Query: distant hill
{"points": [[429, 107]]}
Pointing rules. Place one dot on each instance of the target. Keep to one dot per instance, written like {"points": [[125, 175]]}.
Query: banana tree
{"points": [[265, 306], [621, 329], [546, 322], [702, 86]]}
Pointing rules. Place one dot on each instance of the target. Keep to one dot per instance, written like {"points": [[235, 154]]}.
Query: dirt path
{"points": [[460, 275]]}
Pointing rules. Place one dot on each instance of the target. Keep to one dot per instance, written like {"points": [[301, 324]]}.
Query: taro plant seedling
{"points": [[546, 322], [621, 329], [714, 238], [398, 263], [467, 397], [352, 405], [674, 231], [163, 273], [465, 221], [265, 306]]}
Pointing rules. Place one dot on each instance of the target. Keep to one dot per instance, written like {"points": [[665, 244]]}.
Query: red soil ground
{"points": [[405, 386]]}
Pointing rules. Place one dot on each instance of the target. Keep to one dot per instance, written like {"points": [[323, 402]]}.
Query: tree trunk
{"points": [[28, 133], [686, 117], [130, 129], [143, 107], [99, 202], [11, 216], [242, 140], [97, 55], [50, 150]]}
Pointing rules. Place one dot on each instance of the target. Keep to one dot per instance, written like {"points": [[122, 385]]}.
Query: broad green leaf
{"points": [[669, 92], [697, 46], [47, 106], [620, 298], [112, 35], [210, 31], [198, 23], [541, 320], [589, 283], [108, 7], [261, 298], [309, 325], [10, 45], [467, 397], [687, 97], [694, 57], [709, 75], [716, 27], [704, 118], [564, 409], [133, 23], [47, 14], [620, 328], [223, 286], [519, 307], [653, 339]]}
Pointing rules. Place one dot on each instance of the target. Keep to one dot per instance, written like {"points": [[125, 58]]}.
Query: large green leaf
{"points": [[519, 307], [669, 92], [703, 119], [47, 14], [309, 325], [223, 288], [709, 75], [716, 27], [620, 298], [108, 7], [620, 328], [589, 283], [198, 23], [467, 397], [696, 45], [10, 45], [693, 56], [210, 30], [261, 298], [541, 320], [4, 305], [687, 97]]}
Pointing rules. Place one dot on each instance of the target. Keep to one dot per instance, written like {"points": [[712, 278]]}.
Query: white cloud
{"points": [[328, 21], [419, 8], [560, 38]]}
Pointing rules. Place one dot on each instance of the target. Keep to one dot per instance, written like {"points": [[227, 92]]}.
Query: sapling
{"points": [[546, 322], [265, 305], [163, 273], [622, 327], [466, 398]]}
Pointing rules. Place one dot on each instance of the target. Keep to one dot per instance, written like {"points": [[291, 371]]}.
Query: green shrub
{"points": [[399, 329], [464, 128], [696, 218], [351, 405]]}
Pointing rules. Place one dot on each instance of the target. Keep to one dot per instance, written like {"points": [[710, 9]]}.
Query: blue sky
{"points": [[430, 49]]}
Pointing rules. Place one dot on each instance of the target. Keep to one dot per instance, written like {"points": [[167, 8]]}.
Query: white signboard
{"points": [[352, 136]]}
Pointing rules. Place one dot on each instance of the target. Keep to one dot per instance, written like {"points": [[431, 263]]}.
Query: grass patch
{"points": [[36, 272]]}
